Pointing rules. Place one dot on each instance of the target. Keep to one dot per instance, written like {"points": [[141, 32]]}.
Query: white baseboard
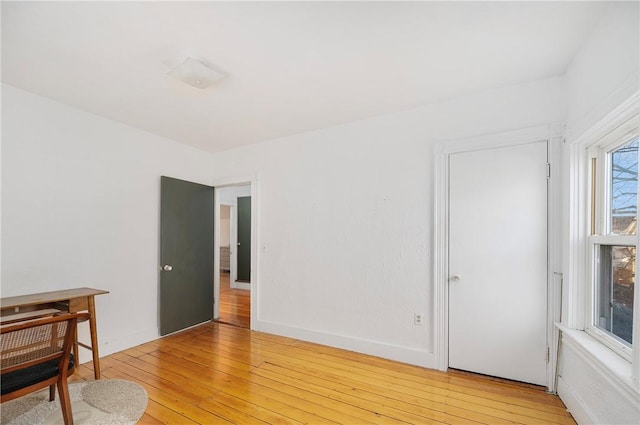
{"points": [[127, 341], [241, 285], [575, 405], [392, 352]]}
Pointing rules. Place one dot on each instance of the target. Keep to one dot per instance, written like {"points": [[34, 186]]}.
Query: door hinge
{"points": [[548, 171], [547, 355]]}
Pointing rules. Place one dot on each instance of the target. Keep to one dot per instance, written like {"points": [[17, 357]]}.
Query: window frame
{"points": [[598, 232]]}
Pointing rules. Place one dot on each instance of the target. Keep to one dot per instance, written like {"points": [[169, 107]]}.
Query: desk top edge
{"points": [[47, 297]]}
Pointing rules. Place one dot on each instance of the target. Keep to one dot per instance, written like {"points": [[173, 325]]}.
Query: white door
{"points": [[498, 262]]}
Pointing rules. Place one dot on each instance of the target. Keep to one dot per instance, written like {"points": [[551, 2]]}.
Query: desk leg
{"points": [[76, 355], [94, 337]]}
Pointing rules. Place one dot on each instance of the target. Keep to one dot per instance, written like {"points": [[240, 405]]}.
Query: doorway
{"points": [[234, 245]]}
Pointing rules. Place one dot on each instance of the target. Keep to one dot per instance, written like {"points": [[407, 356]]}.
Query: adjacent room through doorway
{"points": [[234, 293]]}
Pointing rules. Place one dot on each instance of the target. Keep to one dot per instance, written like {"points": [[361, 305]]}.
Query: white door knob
{"points": [[454, 278], [167, 268]]}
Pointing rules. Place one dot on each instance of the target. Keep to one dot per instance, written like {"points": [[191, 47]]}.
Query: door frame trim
{"points": [[255, 203], [553, 134]]}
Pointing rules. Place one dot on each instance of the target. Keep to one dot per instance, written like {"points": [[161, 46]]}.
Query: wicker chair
{"points": [[36, 354]]}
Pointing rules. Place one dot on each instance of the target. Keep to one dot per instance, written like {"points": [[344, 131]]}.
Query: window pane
{"points": [[615, 286], [624, 189]]}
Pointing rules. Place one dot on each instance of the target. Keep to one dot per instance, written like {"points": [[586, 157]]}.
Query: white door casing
{"points": [[498, 261], [251, 182]]}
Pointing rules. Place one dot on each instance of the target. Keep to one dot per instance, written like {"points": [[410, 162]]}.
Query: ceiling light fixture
{"points": [[196, 73]]}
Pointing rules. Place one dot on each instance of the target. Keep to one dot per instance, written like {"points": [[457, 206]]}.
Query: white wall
{"points": [[345, 219], [80, 207], [603, 75], [229, 195], [605, 71], [225, 223]]}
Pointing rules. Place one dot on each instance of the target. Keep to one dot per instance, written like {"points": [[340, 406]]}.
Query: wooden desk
{"points": [[69, 300]]}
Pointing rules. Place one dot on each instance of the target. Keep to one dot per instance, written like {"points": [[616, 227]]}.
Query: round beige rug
{"points": [[104, 402]]}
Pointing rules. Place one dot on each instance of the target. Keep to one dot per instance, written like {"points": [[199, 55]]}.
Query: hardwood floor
{"points": [[218, 374], [235, 304]]}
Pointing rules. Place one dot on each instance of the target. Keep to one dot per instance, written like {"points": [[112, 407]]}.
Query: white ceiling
{"points": [[292, 66]]}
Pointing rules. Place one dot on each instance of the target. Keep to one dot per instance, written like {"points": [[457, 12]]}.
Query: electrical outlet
{"points": [[417, 319]]}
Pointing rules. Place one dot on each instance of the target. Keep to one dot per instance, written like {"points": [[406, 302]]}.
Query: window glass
{"points": [[624, 189], [617, 265]]}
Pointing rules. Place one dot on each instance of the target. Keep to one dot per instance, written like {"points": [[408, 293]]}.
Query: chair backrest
{"points": [[31, 342]]}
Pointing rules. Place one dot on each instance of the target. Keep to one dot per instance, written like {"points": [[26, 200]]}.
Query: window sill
{"points": [[602, 358]]}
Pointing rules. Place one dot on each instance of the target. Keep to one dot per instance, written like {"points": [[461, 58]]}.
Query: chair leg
{"points": [[65, 401], [52, 392]]}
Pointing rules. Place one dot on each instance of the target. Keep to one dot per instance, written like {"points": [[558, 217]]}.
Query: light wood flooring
{"points": [[220, 374], [235, 304]]}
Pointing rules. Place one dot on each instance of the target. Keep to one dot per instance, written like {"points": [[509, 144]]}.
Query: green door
{"points": [[244, 239], [186, 254]]}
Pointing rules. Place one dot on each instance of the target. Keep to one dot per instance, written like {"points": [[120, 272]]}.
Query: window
{"points": [[613, 237]]}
